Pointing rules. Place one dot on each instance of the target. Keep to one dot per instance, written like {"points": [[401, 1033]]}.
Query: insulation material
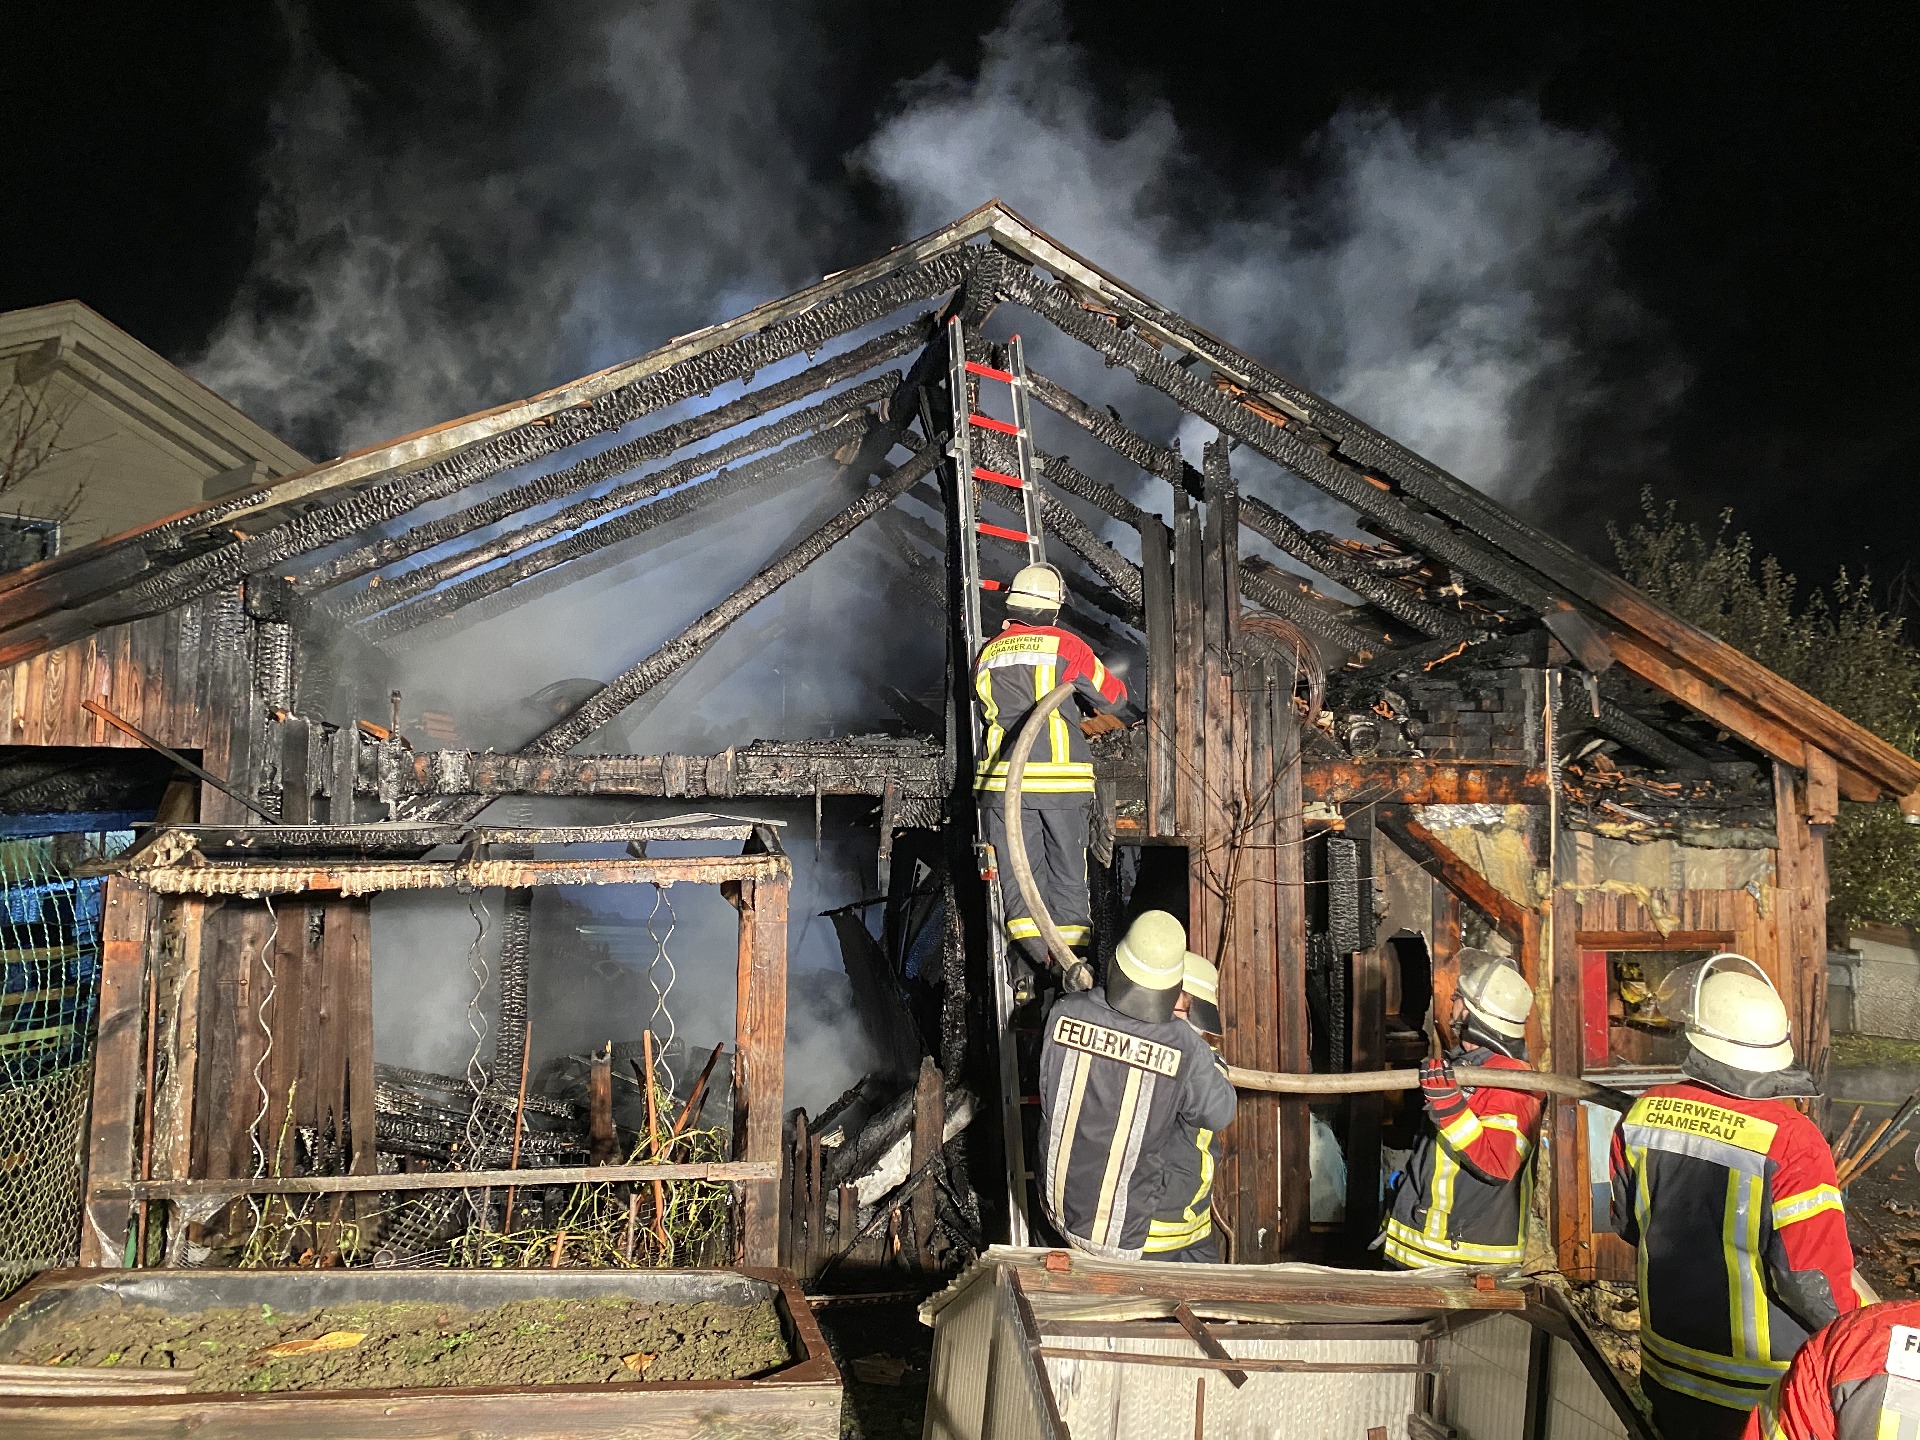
{"points": [[1658, 872], [1493, 839]]}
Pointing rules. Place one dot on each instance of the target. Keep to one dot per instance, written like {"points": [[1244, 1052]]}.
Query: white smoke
{"points": [[1437, 278], [555, 197]]}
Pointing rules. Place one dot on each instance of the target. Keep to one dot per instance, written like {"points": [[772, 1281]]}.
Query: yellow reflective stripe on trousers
{"points": [[1196, 1217], [1792, 1209], [1116, 1156]]}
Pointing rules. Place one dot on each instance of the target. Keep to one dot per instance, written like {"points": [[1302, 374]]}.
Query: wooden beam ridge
{"points": [[1708, 697], [617, 459], [1258, 583], [1279, 444], [1408, 609], [395, 494], [580, 542], [692, 642]]}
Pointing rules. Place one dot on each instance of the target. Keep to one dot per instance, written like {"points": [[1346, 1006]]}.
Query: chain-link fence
{"points": [[49, 1012]]}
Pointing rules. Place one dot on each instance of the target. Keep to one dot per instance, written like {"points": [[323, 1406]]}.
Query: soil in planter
{"points": [[414, 1343]]}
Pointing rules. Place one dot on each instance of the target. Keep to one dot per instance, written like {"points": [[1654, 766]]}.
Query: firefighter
{"points": [[1729, 1192], [1857, 1379], [1121, 1080], [1182, 1228], [1028, 658], [1463, 1197]]}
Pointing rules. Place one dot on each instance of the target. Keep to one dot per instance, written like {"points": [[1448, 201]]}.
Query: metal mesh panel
{"points": [[49, 1012]]}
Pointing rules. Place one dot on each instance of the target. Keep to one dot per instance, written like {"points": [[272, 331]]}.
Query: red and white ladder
{"points": [[1014, 493], [1011, 492]]}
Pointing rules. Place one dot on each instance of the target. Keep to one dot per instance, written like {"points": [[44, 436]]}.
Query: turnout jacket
{"points": [[1742, 1236], [1858, 1379], [1463, 1199], [1015, 671], [1117, 1097], [1185, 1216]]}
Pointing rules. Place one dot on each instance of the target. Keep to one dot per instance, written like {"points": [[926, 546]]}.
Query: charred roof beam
{"points": [[386, 499], [654, 445], [1395, 600], [1278, 443], [422, 578], [578, 543]]}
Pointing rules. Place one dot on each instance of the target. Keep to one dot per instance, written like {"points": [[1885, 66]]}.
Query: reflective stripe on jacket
{"points": [[1742, 1237], [1857, 1379], [1465, 1194], [1115, 1095], [1016, 670]]}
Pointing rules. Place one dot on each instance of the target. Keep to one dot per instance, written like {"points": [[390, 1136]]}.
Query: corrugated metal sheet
{"points": [[1484, 1391]]}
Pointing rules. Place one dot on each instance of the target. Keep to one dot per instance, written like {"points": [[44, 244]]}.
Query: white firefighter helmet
{"points": [[1201, 981], [1498, 996], [1731, 1013], [1037, 588], [1148, 966]]}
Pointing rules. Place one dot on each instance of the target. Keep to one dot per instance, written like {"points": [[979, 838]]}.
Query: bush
{"points": [[1839, 645]]}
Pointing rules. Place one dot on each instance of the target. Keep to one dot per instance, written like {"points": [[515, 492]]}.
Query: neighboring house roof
{"points": [[1525, 575], [140, 440]]}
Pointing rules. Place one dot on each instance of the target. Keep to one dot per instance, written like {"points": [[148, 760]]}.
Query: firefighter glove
{"points": [[1440, 1090]]}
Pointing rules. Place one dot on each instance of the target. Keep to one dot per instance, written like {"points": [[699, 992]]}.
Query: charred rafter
{"points": [[1273, 589], [635, 522], [1371, 498], [691, 643], [617, 459], [422, 578], [387, 499], [1396, 600]]}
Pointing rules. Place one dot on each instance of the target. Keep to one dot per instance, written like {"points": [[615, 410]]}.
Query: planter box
{"points": [[801, 1401]]}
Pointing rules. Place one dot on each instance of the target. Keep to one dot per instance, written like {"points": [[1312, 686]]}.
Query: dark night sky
{"points": [[1773, 151]]}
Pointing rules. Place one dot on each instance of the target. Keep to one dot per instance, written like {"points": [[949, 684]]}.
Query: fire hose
{"points": [[1080, 977]]}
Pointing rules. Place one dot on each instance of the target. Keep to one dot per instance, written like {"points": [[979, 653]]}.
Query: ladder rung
{"points": [[974, 367], [987, 422], [1001, 532], [991, 585], [1012, 482]]}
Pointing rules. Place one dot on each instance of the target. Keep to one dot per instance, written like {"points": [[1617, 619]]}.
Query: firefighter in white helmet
{"points": [[1122, 1081], [1182, 1228], [1463, 1197], [1729, 1192], [1028, 658]]}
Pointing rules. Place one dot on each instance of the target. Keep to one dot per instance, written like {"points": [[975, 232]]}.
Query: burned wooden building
{"points": [[1378, 721]]}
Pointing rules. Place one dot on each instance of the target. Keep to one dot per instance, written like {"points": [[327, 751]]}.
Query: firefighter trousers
{"points": [[1056, 839], [1682, 1417]]}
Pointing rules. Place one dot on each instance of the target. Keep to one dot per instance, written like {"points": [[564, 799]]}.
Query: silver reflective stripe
{"points": [[1748, 1343], [1143, 1111], [1899, 1417], [1700, 1147], [1057, 1132]]}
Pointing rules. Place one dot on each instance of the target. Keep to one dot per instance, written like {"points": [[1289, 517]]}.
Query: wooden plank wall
{"points": [[1227, 777], [185, 677], [306, 966]]}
